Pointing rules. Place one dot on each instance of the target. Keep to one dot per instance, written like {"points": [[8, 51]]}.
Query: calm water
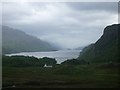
{"points": [[60, 55]]}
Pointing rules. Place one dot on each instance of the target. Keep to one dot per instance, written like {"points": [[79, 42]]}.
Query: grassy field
{"points": [[62, 76]]}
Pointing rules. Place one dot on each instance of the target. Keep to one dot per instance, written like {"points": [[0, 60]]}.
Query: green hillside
{"points": [[18, 41], [105, 49]]}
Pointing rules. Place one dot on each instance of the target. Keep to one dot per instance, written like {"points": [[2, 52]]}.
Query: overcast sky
{"points": [[69, 24]]}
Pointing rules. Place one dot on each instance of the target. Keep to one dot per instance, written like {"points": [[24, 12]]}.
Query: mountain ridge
{"points": [[14, 41], [105, 49]]}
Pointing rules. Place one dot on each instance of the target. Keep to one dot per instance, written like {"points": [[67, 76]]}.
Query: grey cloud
{"points": [[11, 12], [99, 6], [68, 24]]}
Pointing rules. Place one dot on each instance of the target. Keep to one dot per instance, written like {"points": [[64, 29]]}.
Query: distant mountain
{"points": [[79, 48], [14, 41], [105, 49]]}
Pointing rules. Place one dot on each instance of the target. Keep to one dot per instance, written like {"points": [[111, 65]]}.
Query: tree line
{"points": [[26, 61]]}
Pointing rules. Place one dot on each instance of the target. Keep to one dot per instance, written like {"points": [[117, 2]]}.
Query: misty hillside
{"points": [[14, 41], [105, 49], [79, 48]]}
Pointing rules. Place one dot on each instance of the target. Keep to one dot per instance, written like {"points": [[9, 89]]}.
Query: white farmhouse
{"points": [[47, 66]]}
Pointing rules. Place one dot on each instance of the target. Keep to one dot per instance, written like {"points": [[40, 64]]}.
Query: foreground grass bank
{"points": [[63, 76]]}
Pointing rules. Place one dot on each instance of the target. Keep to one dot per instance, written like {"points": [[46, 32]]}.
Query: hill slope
{"points": [[105, 49], [18, 41]]}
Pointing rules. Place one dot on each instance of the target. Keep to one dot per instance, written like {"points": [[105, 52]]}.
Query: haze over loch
{"points": [[60, 55]]}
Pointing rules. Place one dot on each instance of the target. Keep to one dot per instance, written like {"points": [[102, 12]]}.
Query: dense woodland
{"points": [[26, 61]]}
